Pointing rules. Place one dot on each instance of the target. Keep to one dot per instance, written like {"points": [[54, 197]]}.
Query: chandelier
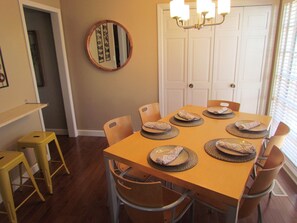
{"points": [[206, 10]]}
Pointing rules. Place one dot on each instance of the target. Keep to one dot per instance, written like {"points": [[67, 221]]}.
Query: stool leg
{"points": [[41, 157], [6, 192], [28, 169], [21, 177], [61, 155]]}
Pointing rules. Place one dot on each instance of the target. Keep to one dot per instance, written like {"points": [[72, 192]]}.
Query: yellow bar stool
{"points": [[39, 140], [8, 161]]}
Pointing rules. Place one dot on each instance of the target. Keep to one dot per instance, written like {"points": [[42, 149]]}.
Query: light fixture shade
{"points": [[212, 12], [224, 6], [185, 12], [175, 8], [203, 6]]}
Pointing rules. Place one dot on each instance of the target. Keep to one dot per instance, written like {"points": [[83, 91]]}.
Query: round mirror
{"points": [[109, 45]]}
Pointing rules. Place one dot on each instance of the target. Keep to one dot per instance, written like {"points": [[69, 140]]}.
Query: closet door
{"points": [[175, 43], [253, 54], [188, 57], [200, 57], [226, 56]]}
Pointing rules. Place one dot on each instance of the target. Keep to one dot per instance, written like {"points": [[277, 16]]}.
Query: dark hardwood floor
{"points": [[82, 195]]}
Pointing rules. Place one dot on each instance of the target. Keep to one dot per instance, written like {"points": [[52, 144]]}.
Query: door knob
{"points": [[191, 85], [232, 85]]}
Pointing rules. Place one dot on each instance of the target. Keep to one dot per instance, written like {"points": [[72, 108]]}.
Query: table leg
{"points": [[232, 214], [112, 197]]}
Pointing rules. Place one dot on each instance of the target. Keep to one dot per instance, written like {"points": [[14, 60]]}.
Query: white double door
{"points": [[220, 62]]}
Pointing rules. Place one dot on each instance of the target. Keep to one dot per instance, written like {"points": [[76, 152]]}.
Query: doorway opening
{"points": [[56, 79]]}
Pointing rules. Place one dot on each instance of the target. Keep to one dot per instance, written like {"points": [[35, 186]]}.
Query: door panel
{"points": [[176, 98], [226, 55], [175, 60], [255, 33], [199, 96], [248, 100]]}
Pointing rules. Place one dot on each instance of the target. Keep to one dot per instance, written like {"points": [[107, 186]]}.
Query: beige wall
{"points": [[14, 51], [100, 95]]}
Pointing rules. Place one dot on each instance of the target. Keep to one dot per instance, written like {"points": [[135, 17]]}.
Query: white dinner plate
{"points": [[231, 152], [186, 120], [163, 150], [258, 128], [156, 131], [214, 110]]}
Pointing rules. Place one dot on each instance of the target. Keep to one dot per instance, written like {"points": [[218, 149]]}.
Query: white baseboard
{"points": [[291, 171], [99, 133], [81, 132]]}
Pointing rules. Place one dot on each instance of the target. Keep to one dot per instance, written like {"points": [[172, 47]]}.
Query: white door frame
{"points": [[58, 33]]}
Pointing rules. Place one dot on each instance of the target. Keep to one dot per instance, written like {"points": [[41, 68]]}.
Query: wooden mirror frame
{"points": [[89, 53]]}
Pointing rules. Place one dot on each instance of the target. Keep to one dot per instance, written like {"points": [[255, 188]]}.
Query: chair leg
{"points": [[6, 192], [21, 177], [259, 214]]}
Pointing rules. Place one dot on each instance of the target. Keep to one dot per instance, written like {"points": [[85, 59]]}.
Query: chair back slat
{"points": [[278, 138], [282, 129], [149, 113], [234, 106], [117, 129]]}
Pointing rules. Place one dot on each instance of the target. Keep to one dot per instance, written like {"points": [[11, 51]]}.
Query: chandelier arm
{"points": [[215, 24], [180, 24]]}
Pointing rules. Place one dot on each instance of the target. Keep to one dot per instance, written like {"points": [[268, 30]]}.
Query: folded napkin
{"points": [[241, 148], [249, 125], [187, 116], [170, 156], [158, 125], [221, 110]]}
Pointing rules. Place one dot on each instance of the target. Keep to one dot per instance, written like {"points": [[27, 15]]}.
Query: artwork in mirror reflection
{"points": [[109, 45]]}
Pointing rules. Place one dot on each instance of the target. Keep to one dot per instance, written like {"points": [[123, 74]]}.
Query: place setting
{"points": [[159, 130], [251, 129], [186, 119], [172, 158], [218, 112], [231, 150]]}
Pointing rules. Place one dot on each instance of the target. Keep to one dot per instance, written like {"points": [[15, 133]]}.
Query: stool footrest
{"points": [[22, 185], [25, 200], [3, 212], [56, 170], [55, 161]]}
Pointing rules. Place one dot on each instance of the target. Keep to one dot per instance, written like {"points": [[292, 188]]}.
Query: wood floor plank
{"points": [[82, 195]]}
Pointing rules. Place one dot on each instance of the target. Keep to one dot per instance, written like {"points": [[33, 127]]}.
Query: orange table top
{"points": [[210, 177]]}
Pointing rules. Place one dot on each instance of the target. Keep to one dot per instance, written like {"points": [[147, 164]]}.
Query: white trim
{"points": [[160, 9], [291, 170], [61, 59], [98, 133]]}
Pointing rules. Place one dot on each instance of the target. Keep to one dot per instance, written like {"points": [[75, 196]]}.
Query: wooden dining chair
{"points": [[115, 130], [262, 184], [259, 186], [149, 113], [234, 106], [150, 202], [277, 139]]}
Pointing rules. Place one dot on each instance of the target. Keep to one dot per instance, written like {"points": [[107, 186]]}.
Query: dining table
{"points": [[211, 178]]}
